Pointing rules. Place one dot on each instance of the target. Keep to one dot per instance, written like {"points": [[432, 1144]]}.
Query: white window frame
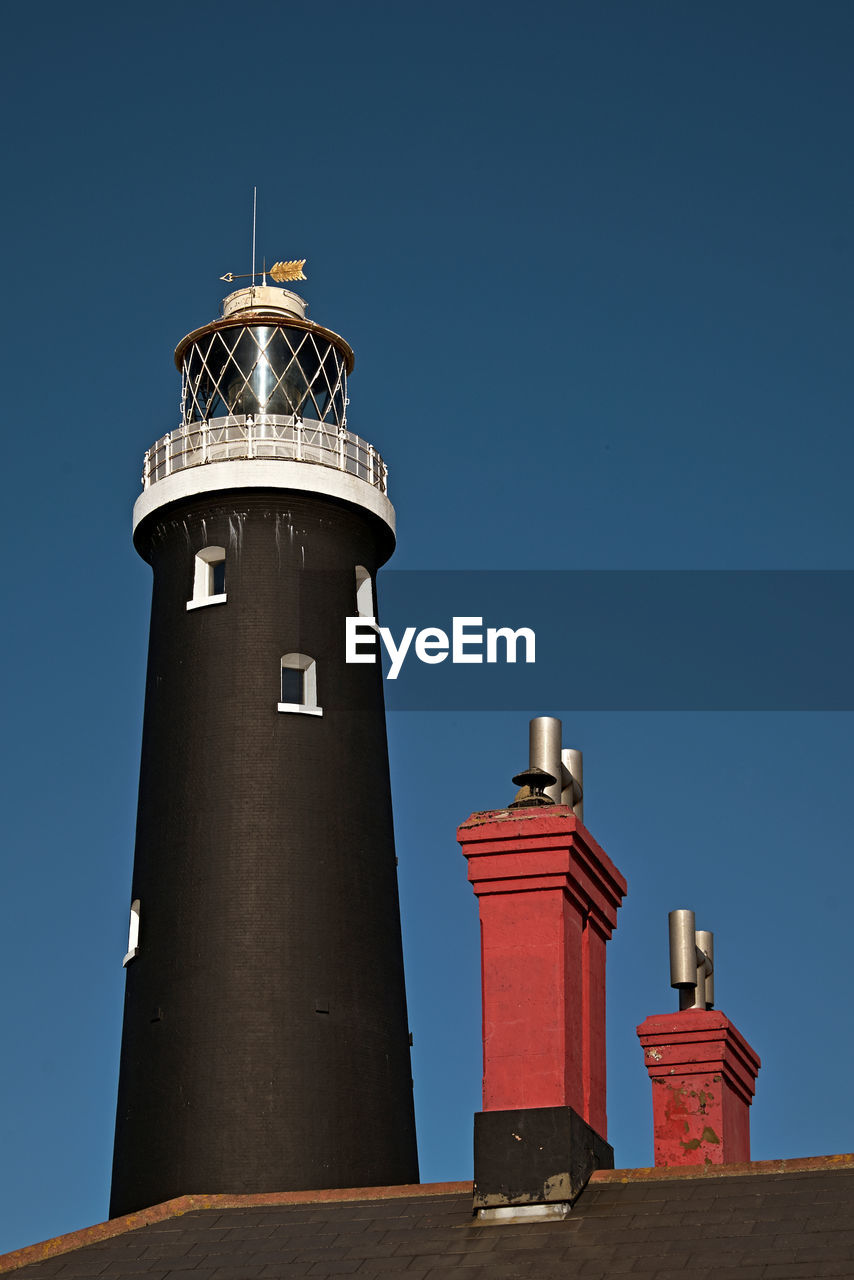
{"points": [[302, 662], [133, 933], [364, 593], [203, 578]]}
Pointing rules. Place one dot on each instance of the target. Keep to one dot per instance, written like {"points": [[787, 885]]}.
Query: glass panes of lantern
{"points": [[264, 369]]}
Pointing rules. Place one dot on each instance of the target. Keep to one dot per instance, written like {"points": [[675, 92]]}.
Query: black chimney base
{"points": [[535, 1155]]}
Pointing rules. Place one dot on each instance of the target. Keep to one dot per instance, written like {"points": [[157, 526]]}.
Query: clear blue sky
{"points": [[595, 260]]}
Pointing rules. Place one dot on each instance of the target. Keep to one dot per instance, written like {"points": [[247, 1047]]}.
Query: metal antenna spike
{"points": [[254, 213]]}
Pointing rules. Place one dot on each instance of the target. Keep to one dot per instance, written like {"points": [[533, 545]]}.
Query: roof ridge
{"points": [[798, 1164], [71, 1240]]}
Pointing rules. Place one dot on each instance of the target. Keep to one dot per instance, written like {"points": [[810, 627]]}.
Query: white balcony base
{"points": [[263, 473]]}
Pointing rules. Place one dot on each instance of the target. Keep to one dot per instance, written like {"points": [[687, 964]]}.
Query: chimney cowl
{"points": [[532, 783]]}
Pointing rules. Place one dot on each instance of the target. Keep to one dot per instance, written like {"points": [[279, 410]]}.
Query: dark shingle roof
{"points": [[766, 1221]]}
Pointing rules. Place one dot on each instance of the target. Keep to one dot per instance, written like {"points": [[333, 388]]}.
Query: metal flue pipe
{"points": [[691, 961], [565, 765], [706, 946], [573, 781], [544, 751]]}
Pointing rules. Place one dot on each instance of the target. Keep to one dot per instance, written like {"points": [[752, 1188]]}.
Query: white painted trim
{"points": [[364, 593], [203, 575], [133, 933], [306, 664], [297, 706], [200, 604], [263, 473]]}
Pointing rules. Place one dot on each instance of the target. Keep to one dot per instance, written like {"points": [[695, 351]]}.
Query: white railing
{"points": [[195, 444]]}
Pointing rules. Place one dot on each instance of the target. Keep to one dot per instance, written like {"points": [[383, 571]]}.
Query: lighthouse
{"points": [[265, 1044]]}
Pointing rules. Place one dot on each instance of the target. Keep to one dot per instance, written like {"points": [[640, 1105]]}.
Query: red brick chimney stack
{"points": [[703, 1071], [548, 897]]}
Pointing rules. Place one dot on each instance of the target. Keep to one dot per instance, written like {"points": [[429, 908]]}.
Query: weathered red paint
{"points": [[703, 1076], [548, 898]]}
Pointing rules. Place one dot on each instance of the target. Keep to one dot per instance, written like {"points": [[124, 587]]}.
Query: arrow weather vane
{"points": [[281, 272]]}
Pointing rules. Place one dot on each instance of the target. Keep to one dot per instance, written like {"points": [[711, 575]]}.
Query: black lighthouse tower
{"points": [[265, 1043]]}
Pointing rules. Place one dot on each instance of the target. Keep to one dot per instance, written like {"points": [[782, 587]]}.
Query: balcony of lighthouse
{"points": [[263, 382], [272, 436]]}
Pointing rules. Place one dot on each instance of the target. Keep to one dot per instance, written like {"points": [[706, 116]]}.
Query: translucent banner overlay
{"points": [[630, 641]]}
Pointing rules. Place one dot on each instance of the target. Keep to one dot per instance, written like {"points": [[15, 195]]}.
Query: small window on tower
{"points": [[133, 932], [364, 593], [208, 578], [293, 685], [299, 685]]}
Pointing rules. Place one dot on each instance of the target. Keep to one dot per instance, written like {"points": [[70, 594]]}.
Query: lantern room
{"points": [[263, 357]]}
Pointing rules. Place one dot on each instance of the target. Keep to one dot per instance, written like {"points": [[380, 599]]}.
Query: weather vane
{"points": [[281, 272]]}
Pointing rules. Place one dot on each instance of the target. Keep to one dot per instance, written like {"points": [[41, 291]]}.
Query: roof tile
{"points": [[769, 1224]]}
